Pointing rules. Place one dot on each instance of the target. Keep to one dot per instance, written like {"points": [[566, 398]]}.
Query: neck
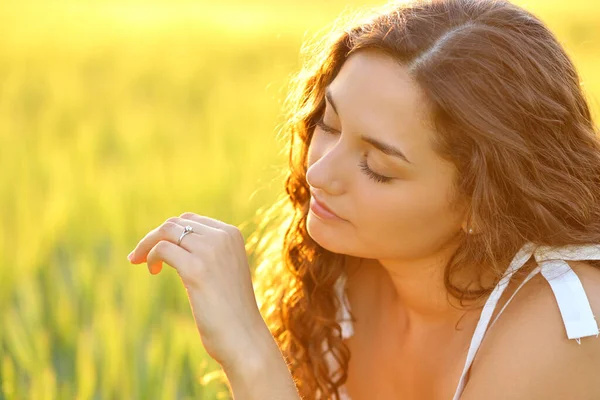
{"points": [[413, 291]]}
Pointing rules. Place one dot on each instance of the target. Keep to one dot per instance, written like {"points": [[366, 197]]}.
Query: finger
{"points": [[203, 220], [207, 232], [193, 241], [201, 225], [169, 231], [170, 253], [213, 223]]}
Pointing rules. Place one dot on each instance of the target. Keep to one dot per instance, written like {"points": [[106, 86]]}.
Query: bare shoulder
{"points": [[527, 354]]}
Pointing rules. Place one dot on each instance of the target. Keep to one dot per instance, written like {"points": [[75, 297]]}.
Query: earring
{"points": [[470, 230]]}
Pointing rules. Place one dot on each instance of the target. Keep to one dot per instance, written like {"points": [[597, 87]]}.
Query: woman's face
{"points": [[393, 204]]}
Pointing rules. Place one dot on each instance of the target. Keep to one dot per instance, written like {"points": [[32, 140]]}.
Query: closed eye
{"points": [[321, 124], [363, 163]]}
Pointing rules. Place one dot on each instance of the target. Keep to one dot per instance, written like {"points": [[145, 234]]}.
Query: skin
{"points": [[405, 229], [402, 232], [400, 235], [213, 266]]}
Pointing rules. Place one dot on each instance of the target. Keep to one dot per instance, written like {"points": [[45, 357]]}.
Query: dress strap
{"points": [[572, 301], [527, 279], [343, 312], [574, 306]]}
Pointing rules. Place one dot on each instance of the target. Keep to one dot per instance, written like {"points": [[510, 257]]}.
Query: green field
{"points": [[115, 116]]}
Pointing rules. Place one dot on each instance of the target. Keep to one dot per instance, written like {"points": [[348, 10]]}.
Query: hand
{"points": [[213, 266]]}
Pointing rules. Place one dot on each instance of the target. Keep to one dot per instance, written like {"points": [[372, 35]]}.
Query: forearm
{"points": [[262, 374]]}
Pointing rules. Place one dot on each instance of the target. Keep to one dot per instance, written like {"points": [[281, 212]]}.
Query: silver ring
{"points": [[188, 229]]}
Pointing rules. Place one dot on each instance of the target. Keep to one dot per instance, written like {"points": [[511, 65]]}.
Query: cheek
{"points": [[385, 212], [395, 219]]}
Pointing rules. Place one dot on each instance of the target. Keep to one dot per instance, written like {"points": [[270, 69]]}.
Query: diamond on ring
{"points": [[186, 230]]}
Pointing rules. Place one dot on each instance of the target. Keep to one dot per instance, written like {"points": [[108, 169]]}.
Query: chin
{"points": [[327, 236]]}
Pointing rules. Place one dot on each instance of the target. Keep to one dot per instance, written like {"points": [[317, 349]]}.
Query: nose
{"points": [[327, 173]]}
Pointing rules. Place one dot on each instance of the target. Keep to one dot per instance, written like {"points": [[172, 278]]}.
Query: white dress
{"points": [[572, 301]]}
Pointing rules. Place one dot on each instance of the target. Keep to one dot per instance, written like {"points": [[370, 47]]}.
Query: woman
{"points": [[445, 170]]}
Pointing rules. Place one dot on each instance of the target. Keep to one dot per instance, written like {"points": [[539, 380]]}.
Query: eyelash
{"points": [[363, 163]]}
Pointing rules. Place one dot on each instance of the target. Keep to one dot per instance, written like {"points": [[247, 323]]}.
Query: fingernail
{"points": [[130, 256]]}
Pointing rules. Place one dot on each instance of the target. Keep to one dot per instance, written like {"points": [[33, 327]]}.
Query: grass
{"points": [[115, 116]]}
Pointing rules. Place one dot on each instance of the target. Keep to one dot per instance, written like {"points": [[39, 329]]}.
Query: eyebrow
{"points": [[379, 145]]}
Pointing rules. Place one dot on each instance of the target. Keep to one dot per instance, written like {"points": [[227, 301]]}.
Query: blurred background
{"points": [[116, 115]]}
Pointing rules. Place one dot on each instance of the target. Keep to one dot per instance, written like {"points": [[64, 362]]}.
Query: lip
{"points": [[322, 211]]}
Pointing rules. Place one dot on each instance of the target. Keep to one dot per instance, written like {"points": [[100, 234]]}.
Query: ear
{"points": [[469, 229]]}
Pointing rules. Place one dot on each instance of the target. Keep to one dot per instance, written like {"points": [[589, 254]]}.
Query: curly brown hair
{"points": [[509, 113]]}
